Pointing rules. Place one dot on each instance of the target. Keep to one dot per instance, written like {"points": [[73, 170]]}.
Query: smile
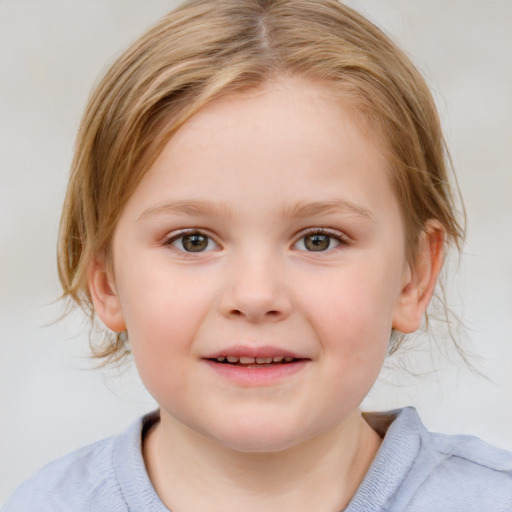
{"points": [[256, 366], [254, 362]]}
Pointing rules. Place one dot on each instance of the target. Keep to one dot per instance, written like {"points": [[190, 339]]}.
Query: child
{"points": [[258, 207]]}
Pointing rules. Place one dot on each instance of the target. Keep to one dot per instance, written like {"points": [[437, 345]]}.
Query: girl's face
{"points": [[265, 232]]}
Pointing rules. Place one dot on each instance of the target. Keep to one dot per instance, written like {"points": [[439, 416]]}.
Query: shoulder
{"points": [[451, 471], [72, 482], [417, 470], [86, 479], [468, 470]]}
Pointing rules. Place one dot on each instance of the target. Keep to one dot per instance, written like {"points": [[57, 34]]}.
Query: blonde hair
{"points": [[206, 49]]}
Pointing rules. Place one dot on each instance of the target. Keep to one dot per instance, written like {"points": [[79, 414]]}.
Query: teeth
{"points": [[253, 360], [263, 360]]}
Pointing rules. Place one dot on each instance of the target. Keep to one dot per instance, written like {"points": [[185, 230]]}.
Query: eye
{"points": [[192, 242], [319, 241]]}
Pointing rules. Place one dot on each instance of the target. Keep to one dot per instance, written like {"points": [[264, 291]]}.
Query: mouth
{"points": [[254, 362], [256, 366]]}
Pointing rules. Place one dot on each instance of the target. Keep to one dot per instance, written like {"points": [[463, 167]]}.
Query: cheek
{"points": [[352, 314], [159, 301], [158, 338], [163, 312], [357, 302], [354, 344]]}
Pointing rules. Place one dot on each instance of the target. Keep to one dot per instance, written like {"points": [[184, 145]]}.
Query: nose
{"points": [[256, 289]]}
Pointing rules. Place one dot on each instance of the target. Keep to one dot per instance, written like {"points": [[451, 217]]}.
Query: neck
{"points": [[192, 472]]}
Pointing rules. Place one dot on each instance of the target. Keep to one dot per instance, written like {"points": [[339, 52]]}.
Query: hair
{"points": [[207, 49]]}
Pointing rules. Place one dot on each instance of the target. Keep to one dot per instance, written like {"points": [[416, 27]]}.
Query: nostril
{"points": [[271, 313]]}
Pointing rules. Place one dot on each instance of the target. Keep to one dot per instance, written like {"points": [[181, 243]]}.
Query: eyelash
{"points": [[331, 234], [169, 241]]}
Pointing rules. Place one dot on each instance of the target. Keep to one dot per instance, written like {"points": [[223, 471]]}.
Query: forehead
{"points": [[292, 105], [288, 142], [286, 118]]}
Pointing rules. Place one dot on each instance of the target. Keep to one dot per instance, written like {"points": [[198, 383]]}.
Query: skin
{"points": [[259, 174]]}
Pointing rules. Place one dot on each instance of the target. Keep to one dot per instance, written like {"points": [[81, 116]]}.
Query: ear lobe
{"points": [[104, 297], [421, 279]]}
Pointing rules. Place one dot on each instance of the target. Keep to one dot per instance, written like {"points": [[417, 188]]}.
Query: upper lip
{"points": [[256, 351]]}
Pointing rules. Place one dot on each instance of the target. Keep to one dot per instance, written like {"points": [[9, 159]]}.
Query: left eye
{"points": [[317, 242], [192, 242]]}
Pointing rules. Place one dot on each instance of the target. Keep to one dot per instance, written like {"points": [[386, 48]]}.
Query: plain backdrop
{"points": [[51, 53]]}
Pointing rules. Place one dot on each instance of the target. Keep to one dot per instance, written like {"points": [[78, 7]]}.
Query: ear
{"points": [[103, 294], [421, 279]]}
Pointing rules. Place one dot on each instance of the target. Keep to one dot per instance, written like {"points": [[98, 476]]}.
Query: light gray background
{"points": [[51, 53]]}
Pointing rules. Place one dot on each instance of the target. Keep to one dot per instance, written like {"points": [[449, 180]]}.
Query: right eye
{"points": [[192, 242]]}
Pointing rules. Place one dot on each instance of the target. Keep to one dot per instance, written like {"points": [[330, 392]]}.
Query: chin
{"points": [[258, 437], [260, 443]]}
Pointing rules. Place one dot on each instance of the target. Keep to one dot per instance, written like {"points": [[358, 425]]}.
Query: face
{"points": [[259, 268]]}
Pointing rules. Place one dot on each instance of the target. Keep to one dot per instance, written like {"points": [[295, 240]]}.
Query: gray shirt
{"points": [[414, 471]]}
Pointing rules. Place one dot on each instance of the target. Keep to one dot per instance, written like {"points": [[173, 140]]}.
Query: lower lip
{"points": [[254, 376]]}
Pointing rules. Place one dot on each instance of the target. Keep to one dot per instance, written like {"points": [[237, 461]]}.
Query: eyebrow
{"points": [[187, 207], [310, 209], [299, 210]]}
